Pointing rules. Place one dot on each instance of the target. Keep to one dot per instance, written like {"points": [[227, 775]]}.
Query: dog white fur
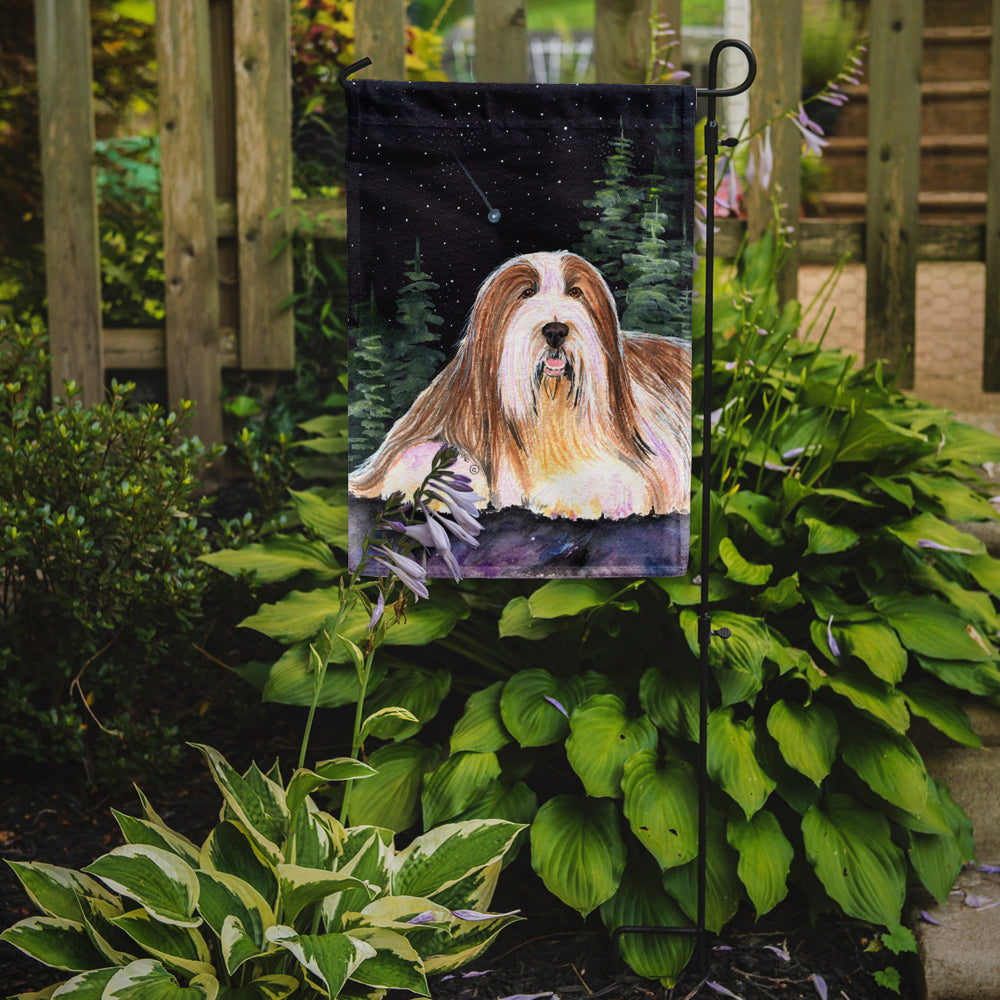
{"points": [[551, 405]]}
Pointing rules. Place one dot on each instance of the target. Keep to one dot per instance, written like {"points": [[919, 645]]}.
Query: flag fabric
{"points": [[520, 271]]}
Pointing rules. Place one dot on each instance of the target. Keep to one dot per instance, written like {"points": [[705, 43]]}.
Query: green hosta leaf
{"points": [[876, 646], [897, 490], [291, 680], [54, 941], [850, 847], [415, 689], [986, 572], [147, 979], [395, 965], [229, 849], [529, 716], [56, 891], [178, 947], [481, 727], [329, 958], [226, 898], [391, 798], [976, 678], [783, 595], [670, 698], [870, 436], [807, 736], [868, 693], [456, 784], [955, 500], [828, 539], [738, 662], [928, 528], [933, 702], [265, 988], [159, 881], [965, 443], [517, 620], [438, 859], [279, 558], [684, 592], [327, 520], [765, 858], [661, 806], [259, 805], [87, 986], [741, 571], [888, 763], [641, 902], [141, 831], [301, 887], [931, 628], [516, 803], [937, 860], [724, 891], [559, 598], [732, 760], [577, 850], [759, 512], [601, 739]]}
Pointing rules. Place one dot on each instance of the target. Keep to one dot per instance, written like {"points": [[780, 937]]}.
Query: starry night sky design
{"points": [[535, 151]]}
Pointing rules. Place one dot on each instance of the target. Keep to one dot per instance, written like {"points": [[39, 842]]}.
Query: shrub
{"points": [[280, 899], [99, 578]]}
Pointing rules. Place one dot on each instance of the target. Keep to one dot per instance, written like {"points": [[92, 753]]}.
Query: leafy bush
{"points": [[280, 897], [99, 578]]}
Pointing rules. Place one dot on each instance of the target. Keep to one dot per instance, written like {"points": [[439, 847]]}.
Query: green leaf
{"points": [[738, 662], [417, 690], [888, 763], [180, 948], [661, 806], [395, 964], [741, 571], [965, 443], [86, 986], [275, 987], [807, 736], [601, 739], [162, 883], [870, 436], [517, 620], [640, 901], [577, 850], [279, 558], [670, 698], [291, 680], [229, 848], [933, 702], [931, 628], [225, 897], [765, 858], [54, 941], [453, 786], [436, 860], [330, 958], [927, 527], [976, 678], [785, 594], [327, 520], [559, 598], [868, 693], [732, 760], [147, 979], [529, 716], [304, 782], [391, 798], [954, 499], [876, 646], [386, 722], [850, 847], [759, 512], [55, 891], [828, 539], [516, 803], [481, 727], [301, 887]]}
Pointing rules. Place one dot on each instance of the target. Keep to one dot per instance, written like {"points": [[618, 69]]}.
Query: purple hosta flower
{"points": [[475, 915], [811, 132], [377, 612], [557, 704], [834, 648], [989, 869], [820, 983], [409, 571], [465, 975], [531, 996], [928, 543], [427, 917], [460, 501], [432, 535], [782, 953], [719, 988], [760, 164], [729, 197]]}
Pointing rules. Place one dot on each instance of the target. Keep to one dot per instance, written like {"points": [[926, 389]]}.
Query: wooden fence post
{"points": [[777, 89], [380, 34], [190, 250], [501, 41], [893, 164], [622, 39], [72, 254], [991, 333], [264, 191]]}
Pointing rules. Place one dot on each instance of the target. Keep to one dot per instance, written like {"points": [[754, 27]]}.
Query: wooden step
{"points": [[941, 13], [954, 205], [956, 53]]}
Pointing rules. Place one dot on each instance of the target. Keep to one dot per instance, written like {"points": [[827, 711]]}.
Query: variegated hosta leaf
{"points": [[177, 947], [229, 848], [601, 740], [304, 782], [765, 858], [160, 882], [99, 915], [395, 965], [850, 847], [301, 887], [366, 856], [54, 941], [149, 980], [56, 891], [642, 902], [315, 838], [141, 831], [661, 805], [578, 851], [276, 987], [256, 801], [441, 857], [330, 959], [223, 898], [466, 940], [807, 736], [86, 986]]}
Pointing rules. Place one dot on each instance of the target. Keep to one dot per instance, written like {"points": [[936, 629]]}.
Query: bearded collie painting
{"points": [[520, 269]]}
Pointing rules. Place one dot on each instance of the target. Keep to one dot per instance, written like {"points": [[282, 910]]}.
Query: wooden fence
{"points": [[224, 108]]}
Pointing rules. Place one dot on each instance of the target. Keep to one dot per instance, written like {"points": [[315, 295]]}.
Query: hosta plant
{"points": [[280, 900]]}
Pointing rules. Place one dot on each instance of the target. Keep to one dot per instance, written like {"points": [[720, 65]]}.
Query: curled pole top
{"points": [[713, 90]]}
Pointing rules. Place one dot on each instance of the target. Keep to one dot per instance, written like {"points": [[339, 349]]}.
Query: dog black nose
{"points": [[555, 333]]}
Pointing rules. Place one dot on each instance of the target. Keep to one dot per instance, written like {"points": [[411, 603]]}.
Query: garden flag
{"points": [[520, 277]]}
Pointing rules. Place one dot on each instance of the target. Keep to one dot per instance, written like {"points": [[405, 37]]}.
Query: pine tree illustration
{"points": [[414, 354], [370, 413]]}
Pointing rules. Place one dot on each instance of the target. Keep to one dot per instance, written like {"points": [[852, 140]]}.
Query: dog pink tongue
{"points": [[554, 366]]}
